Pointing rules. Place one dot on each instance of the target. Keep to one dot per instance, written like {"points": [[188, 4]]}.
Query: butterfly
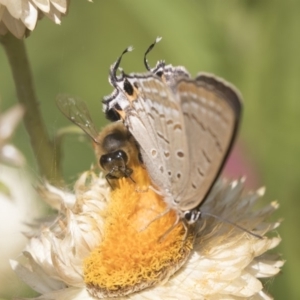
{"points": [[185, 128]]}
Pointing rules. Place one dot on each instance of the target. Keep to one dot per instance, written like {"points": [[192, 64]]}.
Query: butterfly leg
{"points": [[161, 239], [155, 190], [187, 229], [185, 226], [156, 218]]}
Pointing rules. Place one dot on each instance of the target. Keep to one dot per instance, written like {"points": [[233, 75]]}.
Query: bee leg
{"points": [[108, 177], [131, 179], [127, 173]]}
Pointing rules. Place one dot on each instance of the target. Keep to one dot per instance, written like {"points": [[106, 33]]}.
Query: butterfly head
{"points": [[111, 103]]}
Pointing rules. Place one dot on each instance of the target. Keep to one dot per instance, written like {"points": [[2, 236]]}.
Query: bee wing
{"points": [[77, 112], [212, 110]]}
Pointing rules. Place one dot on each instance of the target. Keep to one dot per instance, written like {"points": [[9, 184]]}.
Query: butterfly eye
{"points": [[112, 115], [128, 88], [159, 73]]}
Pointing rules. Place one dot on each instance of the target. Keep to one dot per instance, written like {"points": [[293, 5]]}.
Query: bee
{"points": [[115, 147]]}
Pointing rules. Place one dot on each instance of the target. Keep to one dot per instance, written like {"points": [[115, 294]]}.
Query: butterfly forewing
{"points": [[156, 122], [77, 112]]}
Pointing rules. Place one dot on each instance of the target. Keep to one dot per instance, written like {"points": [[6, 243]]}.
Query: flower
{"points": [[96, 248], [9, 120], [18, 15], [16, 211], [15, 208]]}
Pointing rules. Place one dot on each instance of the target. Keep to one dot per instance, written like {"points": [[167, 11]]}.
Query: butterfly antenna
{"points": [[114, 67], [148, 50], [233, 224]]}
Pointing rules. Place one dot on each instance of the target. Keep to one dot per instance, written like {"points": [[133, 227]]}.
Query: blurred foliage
{"points": [[254, 44]]}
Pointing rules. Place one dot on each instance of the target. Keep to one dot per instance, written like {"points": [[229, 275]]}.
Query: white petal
{"points": [[244, 286], [268, 266], [262, 295], [54, 15], [60, 5], [36, 278], [11, 155], [265, 244], [40, 259], [9, 121], [29, 15], [55, 197], [14, 7], [66, 294], [43, 5]]}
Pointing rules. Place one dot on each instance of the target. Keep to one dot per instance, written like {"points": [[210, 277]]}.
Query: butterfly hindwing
{"points": [[211, 123]]}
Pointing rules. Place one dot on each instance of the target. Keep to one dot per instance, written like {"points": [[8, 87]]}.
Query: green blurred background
{"points": [[253, 44]]}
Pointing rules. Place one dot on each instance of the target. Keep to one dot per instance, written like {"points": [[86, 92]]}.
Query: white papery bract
{"points": [[9, 120], [18, 15], [18, 201]]}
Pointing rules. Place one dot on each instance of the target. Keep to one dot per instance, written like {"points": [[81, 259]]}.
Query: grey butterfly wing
{"points": [[77, 112], [156, 122], [211, 109]]}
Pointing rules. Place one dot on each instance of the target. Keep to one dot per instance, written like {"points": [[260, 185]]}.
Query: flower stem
{"points": [[44, 149]]}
